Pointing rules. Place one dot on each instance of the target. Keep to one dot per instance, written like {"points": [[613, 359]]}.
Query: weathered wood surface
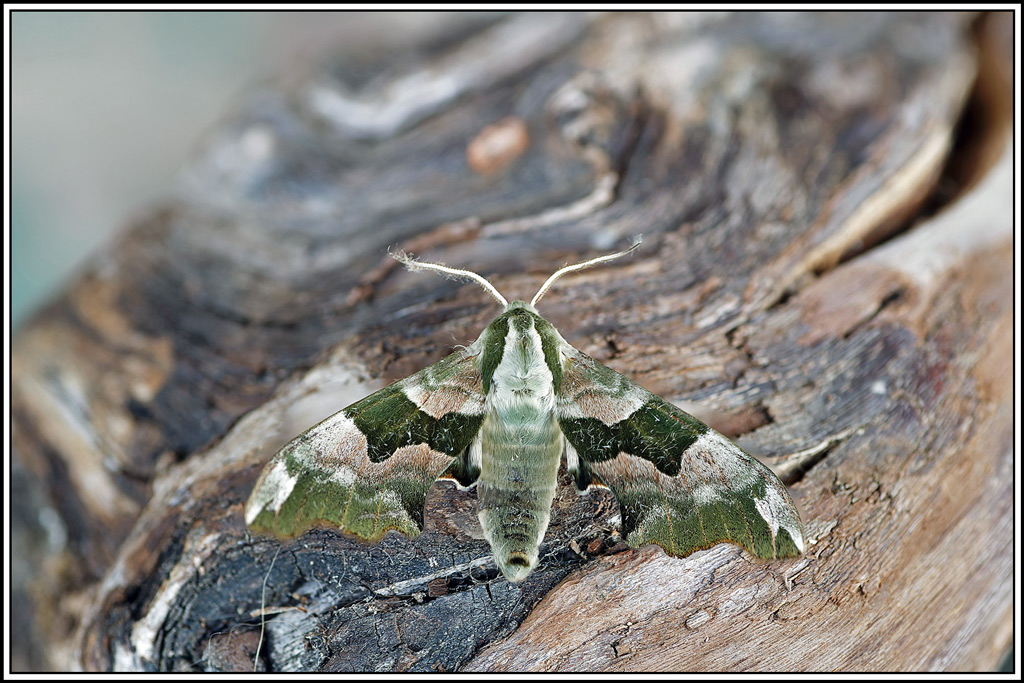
{"points": [[767, 160]]}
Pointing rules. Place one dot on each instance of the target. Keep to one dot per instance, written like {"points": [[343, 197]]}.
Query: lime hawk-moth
{"points": [[502, 414]]}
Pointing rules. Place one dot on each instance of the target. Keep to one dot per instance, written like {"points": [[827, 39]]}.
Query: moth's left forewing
{"points": [[367, 468], [678, 482]]}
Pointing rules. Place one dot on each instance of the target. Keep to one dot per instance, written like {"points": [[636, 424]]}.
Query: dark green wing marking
{"points": [[367, 468], [678, 482]]}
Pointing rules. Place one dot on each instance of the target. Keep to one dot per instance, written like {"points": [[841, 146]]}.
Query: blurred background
{"points": [[107, 106]]}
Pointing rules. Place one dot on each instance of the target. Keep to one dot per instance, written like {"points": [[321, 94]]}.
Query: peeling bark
{"points": [[826, 204]]}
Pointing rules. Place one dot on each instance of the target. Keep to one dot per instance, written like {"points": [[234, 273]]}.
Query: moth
{"points": [[502, 414]]}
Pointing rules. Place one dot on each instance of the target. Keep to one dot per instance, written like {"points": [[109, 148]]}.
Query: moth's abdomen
{"points": [[518, 475]]}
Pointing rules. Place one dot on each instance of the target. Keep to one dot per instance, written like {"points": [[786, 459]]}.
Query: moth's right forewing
{"points": [[368, 468]]}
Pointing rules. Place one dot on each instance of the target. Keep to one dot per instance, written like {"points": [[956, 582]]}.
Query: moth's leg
{"points": [[465, 469], [582, 476]]}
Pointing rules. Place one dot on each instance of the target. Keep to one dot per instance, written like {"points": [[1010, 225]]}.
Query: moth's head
{"points": [[459, 274], [520, 319], [520, 309]]}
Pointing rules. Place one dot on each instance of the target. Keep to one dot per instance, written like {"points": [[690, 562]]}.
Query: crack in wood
{"points": [[798, 465]]}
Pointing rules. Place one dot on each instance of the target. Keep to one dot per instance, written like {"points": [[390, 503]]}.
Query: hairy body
{"points": [[521, 446]]}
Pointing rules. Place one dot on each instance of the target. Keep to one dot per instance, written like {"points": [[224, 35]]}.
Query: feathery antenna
{"points": [[460, 274], [581, 266], [449, 272]]}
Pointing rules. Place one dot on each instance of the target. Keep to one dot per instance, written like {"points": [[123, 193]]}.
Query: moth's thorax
{"points": [[521, 355]]}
